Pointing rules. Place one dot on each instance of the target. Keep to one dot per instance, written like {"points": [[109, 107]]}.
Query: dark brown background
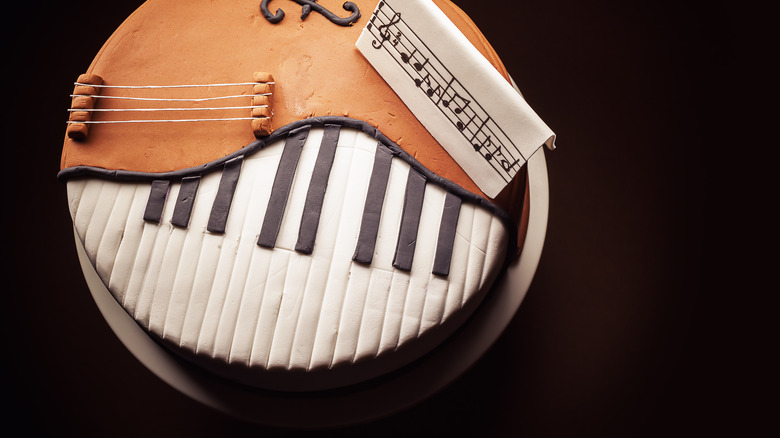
{"points": [[633, 326]]}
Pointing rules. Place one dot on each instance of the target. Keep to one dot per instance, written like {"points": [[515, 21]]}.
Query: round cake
{"points": [[264, 203]]}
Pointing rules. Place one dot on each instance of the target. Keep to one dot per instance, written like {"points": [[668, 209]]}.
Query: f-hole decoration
{"points": [[308, 6]]}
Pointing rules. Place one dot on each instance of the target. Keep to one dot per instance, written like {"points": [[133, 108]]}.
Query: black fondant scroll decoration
{"points": [[308, 6]]}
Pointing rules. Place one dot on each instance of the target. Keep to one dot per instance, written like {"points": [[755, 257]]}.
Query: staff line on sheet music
{"points": [[501, 148], [416, 50]]}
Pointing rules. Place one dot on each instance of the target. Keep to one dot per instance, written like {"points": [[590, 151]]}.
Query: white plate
{"points": [[366, 401]]}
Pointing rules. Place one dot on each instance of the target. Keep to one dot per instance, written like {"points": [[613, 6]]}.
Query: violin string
{"points": [[199, 99], [172, 86], [202, 99], [163, 121], [164, 109]]}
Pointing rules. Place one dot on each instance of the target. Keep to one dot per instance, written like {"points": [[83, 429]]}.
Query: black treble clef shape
{"points": [[308, 6], [384, 32]]}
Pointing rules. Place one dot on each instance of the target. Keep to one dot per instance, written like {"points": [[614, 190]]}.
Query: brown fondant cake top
{"points": [[315, 66]]}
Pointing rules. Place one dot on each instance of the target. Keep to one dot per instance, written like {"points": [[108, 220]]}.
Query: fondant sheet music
{"points": [[460, 98]]}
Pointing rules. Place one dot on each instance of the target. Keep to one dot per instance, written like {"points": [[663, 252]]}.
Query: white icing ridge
{"points": [[225, 297]]}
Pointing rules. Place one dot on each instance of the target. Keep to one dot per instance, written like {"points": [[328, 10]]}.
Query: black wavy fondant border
{"points": [[217, 165]]}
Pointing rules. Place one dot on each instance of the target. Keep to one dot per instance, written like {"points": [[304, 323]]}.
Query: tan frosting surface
{"points": [[317, 70]]}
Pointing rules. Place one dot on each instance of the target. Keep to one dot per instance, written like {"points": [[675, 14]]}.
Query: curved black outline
{"points": [[217, 165]]}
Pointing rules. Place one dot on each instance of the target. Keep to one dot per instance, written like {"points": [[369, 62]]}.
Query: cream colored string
{"points": [[202, 99], [173, 86], [165, 109], [168, 121]]}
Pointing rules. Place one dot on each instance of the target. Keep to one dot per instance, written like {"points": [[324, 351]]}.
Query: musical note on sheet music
{"points": [[444, 90]]}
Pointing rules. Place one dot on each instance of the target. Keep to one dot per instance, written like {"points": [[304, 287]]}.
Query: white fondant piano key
{"points": [[352, 314], [460, 257], [482, 223], [169, 248], [309, 314], [232, 266], [124, 265], [387, 241], [493, 250], [354, 297], [436, 287], [215, 265], [117, 223], [214, 251], [297, 273], [259, 349], [298, 190], [374, 313], [332, 214], [422, 264], [149, 285], [390, 222], [174, 282], [83, 216], [479, 236], [435, 299], [75, 192], [174, 247], [295, 284], [246, 287], [96, 238], [253, 306], [396, 300], [218, 328], [139, 264], [345, 237]]}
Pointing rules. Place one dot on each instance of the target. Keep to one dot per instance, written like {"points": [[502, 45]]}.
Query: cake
{"points": [[260, 198]]}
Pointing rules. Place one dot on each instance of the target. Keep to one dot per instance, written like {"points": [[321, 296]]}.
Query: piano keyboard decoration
{"points": [[218, 259], [87, 93]]}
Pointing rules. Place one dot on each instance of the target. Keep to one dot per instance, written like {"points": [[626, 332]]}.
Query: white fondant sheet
{"points": [[460, 98]]}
